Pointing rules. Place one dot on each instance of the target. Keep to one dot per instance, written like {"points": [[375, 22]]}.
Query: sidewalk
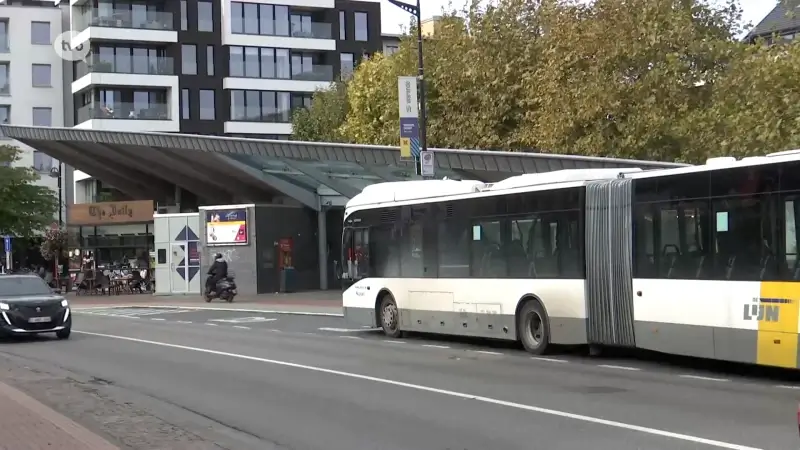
{"points": [[30, 425], [313, 302]]}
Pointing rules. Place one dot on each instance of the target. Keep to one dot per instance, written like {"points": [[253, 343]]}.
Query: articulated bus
{"points": [[699, 261]]}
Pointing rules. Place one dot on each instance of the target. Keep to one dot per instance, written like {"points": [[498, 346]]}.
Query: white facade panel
{"points": [[124, 34], [125, 79], [258, 128], [259, 84], [247, 40], [133, 125]]}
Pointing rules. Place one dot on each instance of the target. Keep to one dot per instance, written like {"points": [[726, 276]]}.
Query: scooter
{"points": [[225, 289]]}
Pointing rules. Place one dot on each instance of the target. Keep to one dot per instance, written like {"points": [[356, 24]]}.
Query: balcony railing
{"points": [[4, 48], [315, 73], [139, 65], [317, 30], [124, 111], [122, 18], [5, 89], [241, 115]]}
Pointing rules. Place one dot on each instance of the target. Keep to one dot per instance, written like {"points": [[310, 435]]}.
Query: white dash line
{"points": [[697, 377], [241, 327], [183, 321], [783, 386], [274, 330], [307, 333], [161, 320], [435, 346], [540, 358], [349, 337], [212, 324], [611, 366], [486, 352], [393, 342]]}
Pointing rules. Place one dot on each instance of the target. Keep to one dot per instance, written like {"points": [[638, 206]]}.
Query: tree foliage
{"points": [[647, 79], [25, 208]]}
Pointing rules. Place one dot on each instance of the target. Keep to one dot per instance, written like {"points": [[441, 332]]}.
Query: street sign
{"points": [[428, 167], [7, 244]]}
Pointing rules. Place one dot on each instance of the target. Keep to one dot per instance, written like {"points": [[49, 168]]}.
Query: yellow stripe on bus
{"points": [[779, 305]]}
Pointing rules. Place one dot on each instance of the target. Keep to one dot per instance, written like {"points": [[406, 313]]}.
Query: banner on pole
{"points": [[409, 117]]}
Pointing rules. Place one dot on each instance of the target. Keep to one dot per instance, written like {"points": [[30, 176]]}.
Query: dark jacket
{"points": [[219, 269]]}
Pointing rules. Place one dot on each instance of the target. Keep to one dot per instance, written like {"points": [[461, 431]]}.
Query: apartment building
{"points": [[32, 79], [217, 67], [781, 25]]}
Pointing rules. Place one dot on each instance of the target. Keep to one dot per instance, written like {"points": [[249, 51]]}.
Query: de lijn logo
{"points": [[66, 50]]}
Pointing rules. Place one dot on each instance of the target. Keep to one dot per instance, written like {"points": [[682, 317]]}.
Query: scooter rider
{"points": [[217, 272]]}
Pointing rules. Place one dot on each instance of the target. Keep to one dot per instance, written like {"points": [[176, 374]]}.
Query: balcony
{"points": [[125, 116], [315, 73], [5, 89], [123, 24], [311, 79], [136, 65], [314, 30]]}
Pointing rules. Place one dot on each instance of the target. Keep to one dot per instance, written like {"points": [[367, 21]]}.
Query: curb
{"points": [[208, 308]]}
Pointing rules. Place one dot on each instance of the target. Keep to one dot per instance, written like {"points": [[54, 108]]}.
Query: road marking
{"points": [[347, 330], [393, 342], [244, 320], [274, 330], [241, 327], [485, 352], [783, 386], [207, 308], [183, 321], [435, 346], [349, 337], [418, 387], [212, 324], [159, 319], [540, 358], [697, 377], [610, 366]]}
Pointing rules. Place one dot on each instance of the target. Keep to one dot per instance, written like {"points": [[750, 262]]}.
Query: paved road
{"points": [[287, 384]]}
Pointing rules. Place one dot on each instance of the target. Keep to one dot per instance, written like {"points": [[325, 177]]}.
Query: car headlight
{"points": [[64, 303], [4, 307]]}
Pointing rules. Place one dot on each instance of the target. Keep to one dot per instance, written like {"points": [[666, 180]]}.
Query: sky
{"points": [[394, 17]]}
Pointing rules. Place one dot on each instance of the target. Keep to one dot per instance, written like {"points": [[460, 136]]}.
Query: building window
{"points": [[348, 65], [184, 16], [342, 26], [5, 82], [41, 75], [362, 31], [207, 104], [274, 20], [255, 62], [189, 59], [43, 117], [42, 163], [40, 33], [391, 50], [5, 114], [3, 36], [261, 106], [205, 16], [210, 60], [185, 112]]}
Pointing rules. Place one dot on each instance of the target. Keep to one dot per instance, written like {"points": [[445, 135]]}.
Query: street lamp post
{"points": [[57, 173], [416, 11]]}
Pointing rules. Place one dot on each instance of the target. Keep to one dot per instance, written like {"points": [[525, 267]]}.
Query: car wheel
{"points": [[390, 317], [534, 328], [64, 334]]}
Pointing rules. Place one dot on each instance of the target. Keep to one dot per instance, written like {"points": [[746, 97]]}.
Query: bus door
{"points": [[355, 256]]}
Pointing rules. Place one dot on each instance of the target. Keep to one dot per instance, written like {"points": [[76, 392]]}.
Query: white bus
{"points": [[698, 261]]}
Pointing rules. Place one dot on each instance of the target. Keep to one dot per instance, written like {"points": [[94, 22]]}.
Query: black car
{"points": [[29, 306]]}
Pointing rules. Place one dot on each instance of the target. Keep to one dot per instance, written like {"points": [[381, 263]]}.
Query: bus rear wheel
{"points": [[390, 317], [534, 328]]}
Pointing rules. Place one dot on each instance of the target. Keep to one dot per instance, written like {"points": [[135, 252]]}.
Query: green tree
{"points": [[25, 208], [323, 121]]}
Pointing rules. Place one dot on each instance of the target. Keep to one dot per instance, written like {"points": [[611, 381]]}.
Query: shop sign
{"points": [[110, 213]]}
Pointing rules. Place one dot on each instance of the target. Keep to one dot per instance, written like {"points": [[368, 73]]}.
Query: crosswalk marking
{"points": [[129, 312]]}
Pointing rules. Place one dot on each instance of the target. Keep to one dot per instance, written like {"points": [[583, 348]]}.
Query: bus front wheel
{"points": [[390, 317], [534, 328]]}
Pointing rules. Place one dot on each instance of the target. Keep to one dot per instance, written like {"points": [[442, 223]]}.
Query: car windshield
{"points": [[20, 286]]}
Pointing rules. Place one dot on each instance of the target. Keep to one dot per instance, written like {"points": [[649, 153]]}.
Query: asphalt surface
{"points": [[276, 381]]}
